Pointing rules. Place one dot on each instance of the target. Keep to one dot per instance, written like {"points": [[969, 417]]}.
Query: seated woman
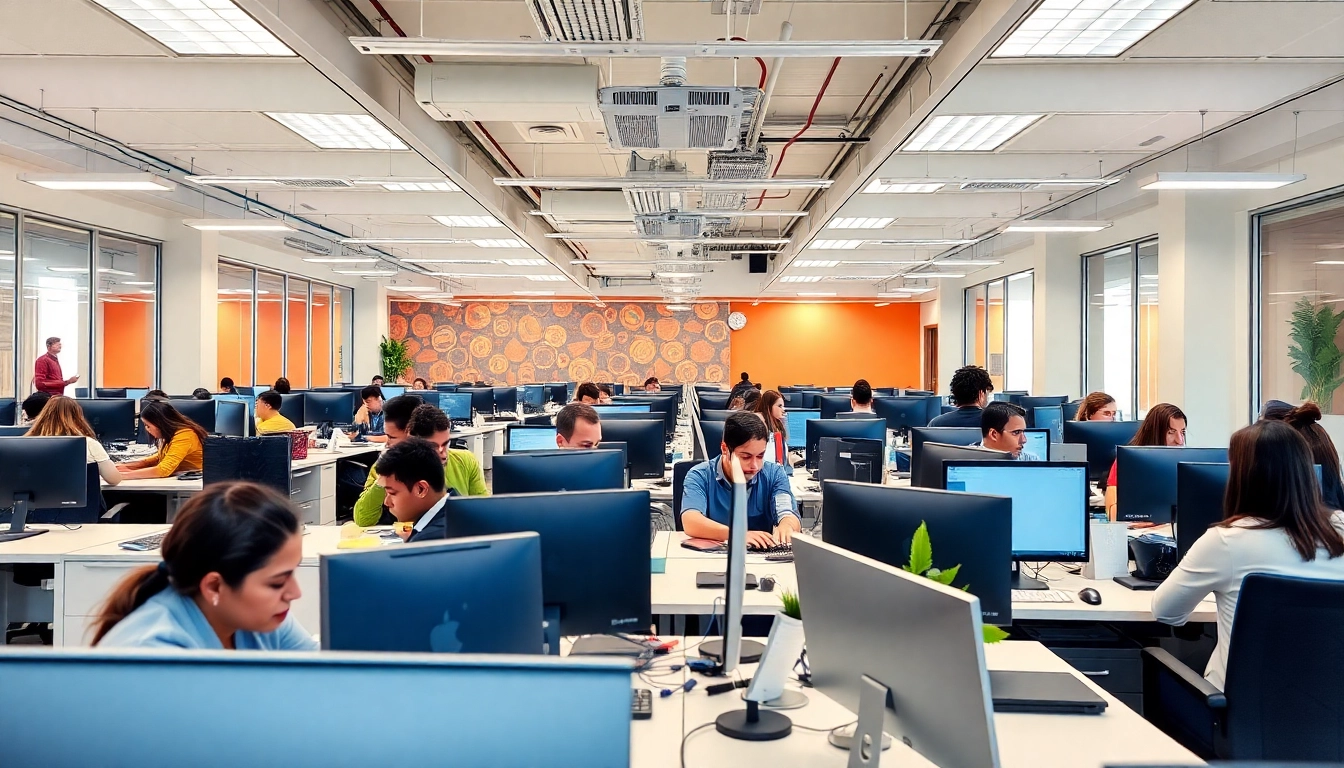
{"points": [[1304, 419], [770, 407], [62, 417], [1097, 406], [1273, 522], [227, 579], [1164, 425], [420, 384], [181, 443]]}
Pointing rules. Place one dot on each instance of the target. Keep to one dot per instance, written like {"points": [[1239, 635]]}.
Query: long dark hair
{"points": [[1272, 482], [230, 528], [1153, 430], [168, 420], [1303, 418], [764, 407]]}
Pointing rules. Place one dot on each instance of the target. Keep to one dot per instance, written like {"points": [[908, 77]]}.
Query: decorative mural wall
{"points": [[524, 343]]}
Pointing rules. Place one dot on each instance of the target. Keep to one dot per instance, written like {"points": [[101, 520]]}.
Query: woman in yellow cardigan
{"points": [[180, 442]]}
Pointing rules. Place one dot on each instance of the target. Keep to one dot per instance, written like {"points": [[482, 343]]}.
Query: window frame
{"points": [[982, 289], [1133, 247]]}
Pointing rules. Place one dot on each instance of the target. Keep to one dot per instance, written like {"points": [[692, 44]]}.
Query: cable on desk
{"points": [[687, 738]]}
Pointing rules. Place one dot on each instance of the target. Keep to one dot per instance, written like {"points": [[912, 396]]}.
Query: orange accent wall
{"points": [[321, 362], [128, 343], [828, 344], [270, 358], [234, 355]]}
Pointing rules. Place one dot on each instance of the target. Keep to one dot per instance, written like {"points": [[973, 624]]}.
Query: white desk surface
{"points": [[317, 540], [799, 482], [58, 543], [173, 485]]}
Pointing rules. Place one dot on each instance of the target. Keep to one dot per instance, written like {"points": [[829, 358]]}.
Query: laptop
{"points": [[1051, 693]]}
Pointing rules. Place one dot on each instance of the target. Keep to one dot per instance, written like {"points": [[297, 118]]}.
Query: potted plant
{"points": [[396, 358], [921, 564], [1316, 357]]}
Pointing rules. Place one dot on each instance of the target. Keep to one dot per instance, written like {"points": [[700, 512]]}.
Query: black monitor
{"points": [[41, 473], [714, 400], [594, 553], [482, 399], [840, 390], [884, 392], [443, 387], [833, 404], [1049, 418], [644, 444], [231, 418], [506, 399], [929, 473], [809, 399], [625, 456], [201, 412], [248, 391], [112, 420], [918, 393], [12, 431], [873, 429], [677, 389], [457, 405], [1050, 518], [1071, 409], [524, 437], [110, 393], [558, 470], [715, 414], [1030, 403], [1200, 489], [1010, 396], [329, 407], [557, 393], [971, 530], [9, 411], [475, 595], [902, 413], [1101, 438], [1145, 479], [946, 435], [856, 459], [624, 407], [857, 415], [712, 433], [428, 396], [534, 397], [664, 404], [292, 408]]}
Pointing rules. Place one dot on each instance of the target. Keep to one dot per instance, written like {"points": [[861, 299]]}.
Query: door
{"points": [[931, 358]]}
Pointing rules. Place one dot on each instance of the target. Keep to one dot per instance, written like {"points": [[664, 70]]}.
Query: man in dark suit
{"points": [[411, 476]]}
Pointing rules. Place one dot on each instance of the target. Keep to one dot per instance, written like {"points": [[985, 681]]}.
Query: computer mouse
{"points": [[1089, 596]]}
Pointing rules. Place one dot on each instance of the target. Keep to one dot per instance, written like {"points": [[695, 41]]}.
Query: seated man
{"points": [[1003, 427], [269, 419], [707, 499], [651, 385], [605, 398], [577, 426], [861, 397], [461, 471], [971, 386], [33, 405], [588, 393], [369, 419], [411, 476], [369, 507]]}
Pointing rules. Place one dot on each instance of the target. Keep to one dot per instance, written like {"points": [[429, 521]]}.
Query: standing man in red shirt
{"points": [[47, 376]]}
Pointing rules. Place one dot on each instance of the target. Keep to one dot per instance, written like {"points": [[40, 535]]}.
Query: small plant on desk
{"points": [[790, 606], [921, 564]]}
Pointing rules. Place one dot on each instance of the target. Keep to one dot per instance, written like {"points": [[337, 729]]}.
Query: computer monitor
{"points": [[110, 393], [294, 708], [1101, 438], [714, 400], [809, 400], [471, 595], [1050, 418], [482, 399], [292, 407], [712, 432], [594, 554], [1031, 403], [833, 404], [858, 415], [884, 391], [796, 421], [644, 444], [946, 435], [9, 411], [1145, 479], [902, 413], [138, 393], [534, 397], [457, 405], [918, 393], [557, 393], [506, 399], [558, 470], [1038, 444], [201, 412], [840, 390], [429, 396], [729, 650], [112, 420], [922, 681], [971, 530], [1010, 396], [856, 459], [14, 431], [625, 456], [41, 473], [1050, 519], [444, 387], [245, 391], [1200, 488], [715, 414], [658, 402], [873, 429], [1071, 409], [521, 437], [392, 390], [929, 473], [231, 418], [623, 408]]}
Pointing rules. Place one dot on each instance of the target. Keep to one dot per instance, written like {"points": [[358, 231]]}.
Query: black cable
{"points": [[687, 738]]}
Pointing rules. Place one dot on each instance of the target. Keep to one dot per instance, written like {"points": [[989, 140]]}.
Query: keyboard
{"points": [[778, 549], [144, 544], [1041, 596]]}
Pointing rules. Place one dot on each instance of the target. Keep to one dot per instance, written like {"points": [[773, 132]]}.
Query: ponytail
{"points": [[130, 593]]}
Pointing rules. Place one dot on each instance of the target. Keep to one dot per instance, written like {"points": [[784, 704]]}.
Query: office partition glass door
{"points": [[1120, 326], [270, 328], [342, 319], [1000, 322], [234, 335], [54, 299], [126, 324], [320, 349], [296, 320], [9, 234]]}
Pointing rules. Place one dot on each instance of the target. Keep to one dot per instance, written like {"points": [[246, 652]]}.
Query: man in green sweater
{"points": [[461, 471]]}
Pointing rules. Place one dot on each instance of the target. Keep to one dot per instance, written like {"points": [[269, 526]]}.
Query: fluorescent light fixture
{"points": [[111, 271], [1057, 225], [100, 182], [137, 282], [650, 185], [366, 272], [238, 225], [1331, 263], [194, 27], [546, 278], [752, 253], [498, 243], [1224, 181], [1087, 27], [926, 243], [967, 133], [524, 262], [800, 279], [338, 131], [404, 241], [477, 262], [534, 293], [342, 260], [882, 304], [834, 245], [859, 223], [680, 240], [306, 182], [65, 269], [644, 49], [882, 187], [145, 290], [896, 293], [917, 262], [692, 276], [816, 293], [818, 263], [922, 275], [468, 221], [414, 186]]}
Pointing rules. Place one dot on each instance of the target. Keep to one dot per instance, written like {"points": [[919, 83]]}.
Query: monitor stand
{"points": [[713, 649], [18, 523], [867, 741], [1020, 580], [751, 724], [609, 645]]}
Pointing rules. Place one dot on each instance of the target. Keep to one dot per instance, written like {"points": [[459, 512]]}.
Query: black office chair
{"points": [[91, 512], [1284, 679]]}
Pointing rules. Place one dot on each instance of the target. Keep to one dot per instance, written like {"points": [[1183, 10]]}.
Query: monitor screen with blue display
{"points": [[456, 404], [797, 423], [534, 395], [1038, 444], [1050, 418], [622, 408], [1049, 503], [525, 438], [390, 391]]}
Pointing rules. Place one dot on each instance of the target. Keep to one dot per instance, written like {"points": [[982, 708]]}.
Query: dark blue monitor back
{"points": [[714, 400], [534, 395], [1145, 479], [874, 429], [1101, 438], [506, 399], [292, 407], [554, 471], [902, 413], [329, 407], [110, 419], [645, 448], [947, 435], [833, 404], [713, 434], [482, 399], [430, 396], [9, 411], [1049, 418], [456, 404], [231, 418]]}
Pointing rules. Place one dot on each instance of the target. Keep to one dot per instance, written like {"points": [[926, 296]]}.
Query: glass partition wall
{"points": [[1120, 326], [999, 330]]}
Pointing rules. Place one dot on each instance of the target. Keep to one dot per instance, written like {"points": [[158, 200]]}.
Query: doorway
{"points": [[931, 358]]}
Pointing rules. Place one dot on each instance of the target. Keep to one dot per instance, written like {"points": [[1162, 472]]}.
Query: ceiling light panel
{"points": [[546, 278], [498, 243], [880, 186], [1087, 27], [800, 279], [110, 182], [419, 186], [967, 133], [524, 262], [835, 245], [859, 223], [199, 27], [237, 225], [817, 263], [1220, 181], [338, 131], [483, 222], [1057, 226]]}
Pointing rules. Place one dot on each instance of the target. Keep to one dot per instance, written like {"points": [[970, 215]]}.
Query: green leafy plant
{"points": [[921, 564], [396, 358], [1316, 357], [791, 608]]}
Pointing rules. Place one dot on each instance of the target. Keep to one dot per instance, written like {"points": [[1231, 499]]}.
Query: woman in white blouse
{"points": [[62, 417], [1273, 522]]}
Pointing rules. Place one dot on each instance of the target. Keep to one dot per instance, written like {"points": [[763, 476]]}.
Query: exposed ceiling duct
{"points": [[588, 20], [673, 115]]}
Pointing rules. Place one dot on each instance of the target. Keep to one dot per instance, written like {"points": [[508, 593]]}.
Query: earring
{"points": [[215, 601]]}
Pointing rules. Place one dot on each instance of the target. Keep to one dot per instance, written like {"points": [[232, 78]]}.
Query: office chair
{"points": [[679, 472], [1282, 699]]}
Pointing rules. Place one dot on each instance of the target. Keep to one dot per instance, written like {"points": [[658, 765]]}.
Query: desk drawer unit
{"points": [[1118, 670], [87, 584], [305, 484]]}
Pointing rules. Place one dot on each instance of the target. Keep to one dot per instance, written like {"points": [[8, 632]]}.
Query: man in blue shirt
{"points": [[1003, 427], [707, 498], [971, 386]]}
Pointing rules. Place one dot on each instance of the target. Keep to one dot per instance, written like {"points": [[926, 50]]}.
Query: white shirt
{"points": [[430, 513], [1218, 562], [94, 453]]}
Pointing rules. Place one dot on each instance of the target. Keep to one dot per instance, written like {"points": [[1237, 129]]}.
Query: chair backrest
{"points": [[713, 433], [679, 471], [91, 512], [1285, 670]]}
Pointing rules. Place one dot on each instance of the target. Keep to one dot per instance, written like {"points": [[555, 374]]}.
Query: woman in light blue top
{"points": [[226, 581]]}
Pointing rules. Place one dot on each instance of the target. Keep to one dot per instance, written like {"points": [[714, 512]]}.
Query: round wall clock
{"points": [[737, 321]]}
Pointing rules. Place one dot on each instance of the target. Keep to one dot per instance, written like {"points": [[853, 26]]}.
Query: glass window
{"points": [[999, 326], [1120, 326], [322, 337], [1148, 327], [1019, 343], [234, 356], [8, 247], [975, 326], [994, 329], [270, 328], [296, 316], [342, 317], [55, 298], [126, 323]]}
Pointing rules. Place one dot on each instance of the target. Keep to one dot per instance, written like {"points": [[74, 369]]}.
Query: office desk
{"points": [[806, 491], [485, 442]]}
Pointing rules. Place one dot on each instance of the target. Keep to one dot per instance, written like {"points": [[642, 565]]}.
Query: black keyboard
{"points": [[778, 549], [144, 544]]}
